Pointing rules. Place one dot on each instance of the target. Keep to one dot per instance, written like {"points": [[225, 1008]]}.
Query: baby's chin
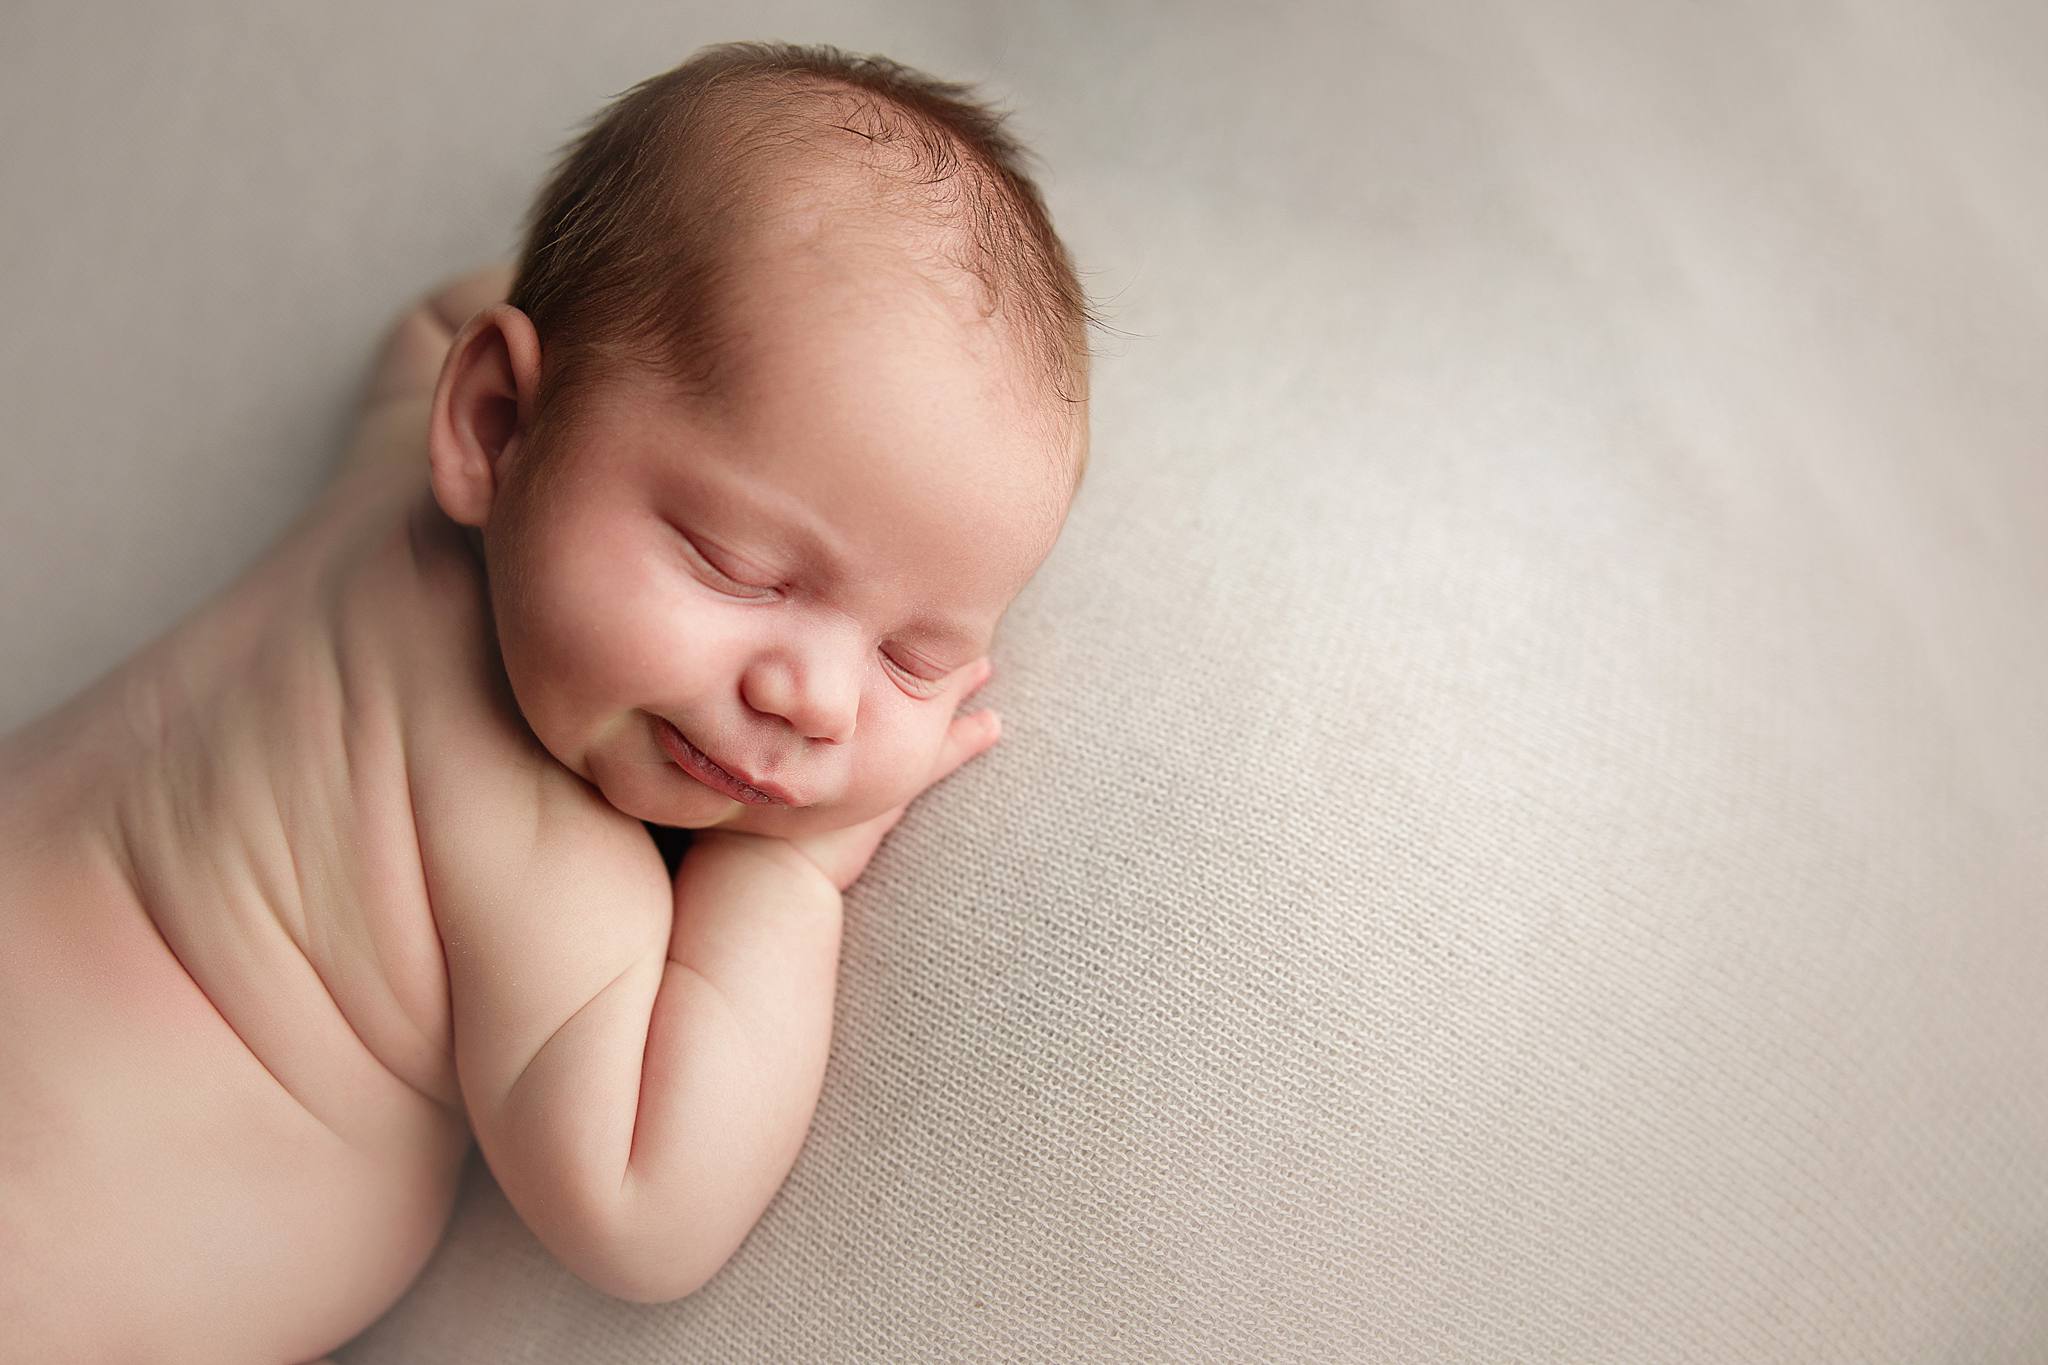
{"points": [[697, 810], [780, 822]]}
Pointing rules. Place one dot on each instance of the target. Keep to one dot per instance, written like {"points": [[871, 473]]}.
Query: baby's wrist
{"points": [[766, 848]]}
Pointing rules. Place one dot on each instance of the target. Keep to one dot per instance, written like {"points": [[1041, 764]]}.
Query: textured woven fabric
{"points": [[1519, 834]]}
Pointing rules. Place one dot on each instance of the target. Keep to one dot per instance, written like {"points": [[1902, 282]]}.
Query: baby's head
{"points": [[787, 404]]}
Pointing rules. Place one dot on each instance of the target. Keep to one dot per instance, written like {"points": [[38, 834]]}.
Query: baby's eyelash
{"points": [[925, 686], [743, 588]]}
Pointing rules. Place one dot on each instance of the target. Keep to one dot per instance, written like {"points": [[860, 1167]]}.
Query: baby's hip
{"points": [[154, 1177]]}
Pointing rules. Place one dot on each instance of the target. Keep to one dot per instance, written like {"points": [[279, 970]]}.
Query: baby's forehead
{"points": [[828, 363], [870, 279]]}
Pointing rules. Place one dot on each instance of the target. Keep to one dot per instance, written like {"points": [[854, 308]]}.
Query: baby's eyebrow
{"points": [[956, 635]]}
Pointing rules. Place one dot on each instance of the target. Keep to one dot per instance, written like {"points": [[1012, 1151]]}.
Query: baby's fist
{"points": [[843, 854]]}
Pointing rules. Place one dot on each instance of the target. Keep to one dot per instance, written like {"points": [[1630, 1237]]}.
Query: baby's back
{"points": [[224, 1023]]}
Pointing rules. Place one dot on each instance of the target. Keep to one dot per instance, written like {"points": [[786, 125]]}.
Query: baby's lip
{"points": [[735, 783]]}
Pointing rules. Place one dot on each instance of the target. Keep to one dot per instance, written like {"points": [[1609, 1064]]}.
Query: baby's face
{"points": [[797, 586]]}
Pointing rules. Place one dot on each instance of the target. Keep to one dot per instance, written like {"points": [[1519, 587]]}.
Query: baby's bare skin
{"points": [[233, 1129], [228, 1000]]}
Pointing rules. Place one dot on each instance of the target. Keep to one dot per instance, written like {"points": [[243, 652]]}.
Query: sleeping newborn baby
{"points": [[705, 524]]}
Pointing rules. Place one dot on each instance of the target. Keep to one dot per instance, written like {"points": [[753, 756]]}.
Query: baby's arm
{"points": [[639, 1060], [409, 363], [391, 435], [734, 1057]]}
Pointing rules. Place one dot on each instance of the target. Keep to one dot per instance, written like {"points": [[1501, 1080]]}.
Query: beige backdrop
{"points": [[1520, 835]]}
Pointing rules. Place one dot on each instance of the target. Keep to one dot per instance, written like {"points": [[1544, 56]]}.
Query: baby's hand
{"points": [[842, 854]]}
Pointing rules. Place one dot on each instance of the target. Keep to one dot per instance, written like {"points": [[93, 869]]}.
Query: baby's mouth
{"points": [[705, 769]]}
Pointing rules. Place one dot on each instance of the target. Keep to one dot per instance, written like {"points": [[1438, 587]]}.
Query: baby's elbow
{"points": [[652, 1268], [645, 1283]]}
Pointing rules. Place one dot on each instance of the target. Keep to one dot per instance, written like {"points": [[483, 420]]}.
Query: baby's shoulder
{"points": [[494, 811]]}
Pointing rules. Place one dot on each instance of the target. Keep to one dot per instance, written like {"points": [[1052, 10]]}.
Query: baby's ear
{"points": [[483, 405]]}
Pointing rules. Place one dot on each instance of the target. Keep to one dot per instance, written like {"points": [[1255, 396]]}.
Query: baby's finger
{"points": [[978, 673], [971, 733]]}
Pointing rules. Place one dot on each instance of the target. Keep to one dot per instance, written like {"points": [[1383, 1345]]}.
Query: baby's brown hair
{"points": [[630, 248]]}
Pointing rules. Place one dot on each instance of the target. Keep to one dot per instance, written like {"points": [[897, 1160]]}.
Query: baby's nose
{"points": [[826, 715], [816, 692]]}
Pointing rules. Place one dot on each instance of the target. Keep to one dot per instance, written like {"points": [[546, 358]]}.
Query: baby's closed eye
{"points": [[920, 676], [923, 677], [730, 581]]}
